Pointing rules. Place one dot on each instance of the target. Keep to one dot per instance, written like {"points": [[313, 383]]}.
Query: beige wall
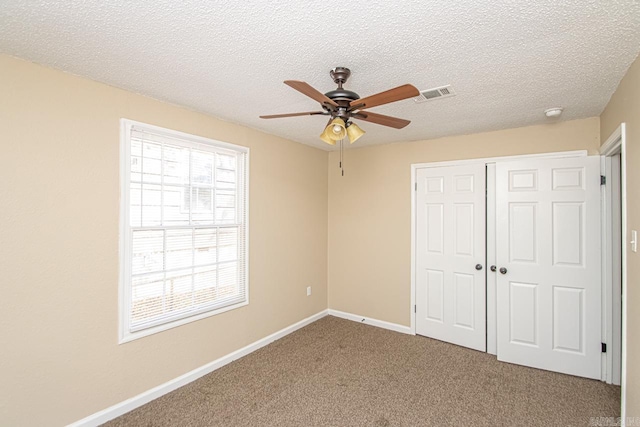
{"points": [[59, 356], [624, 106], [370, 209]]}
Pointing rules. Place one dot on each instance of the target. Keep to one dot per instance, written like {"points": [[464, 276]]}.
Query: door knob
{"points": [[493, 268], [478, 266], [503, 270]]}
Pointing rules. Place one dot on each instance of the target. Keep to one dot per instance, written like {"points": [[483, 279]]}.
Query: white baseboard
{"points": [[373, 322], [149, 395]]}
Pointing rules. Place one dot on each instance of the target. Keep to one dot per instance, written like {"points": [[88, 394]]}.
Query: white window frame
{"points": [[125, 255]]}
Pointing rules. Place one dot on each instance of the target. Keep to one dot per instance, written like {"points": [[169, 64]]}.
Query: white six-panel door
{"points": [[450, 254], [548, 242]]}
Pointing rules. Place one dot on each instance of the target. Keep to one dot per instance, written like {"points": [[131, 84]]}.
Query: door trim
{"points": [[491, 277], [415, 166], [616, 143], [611, 232]]}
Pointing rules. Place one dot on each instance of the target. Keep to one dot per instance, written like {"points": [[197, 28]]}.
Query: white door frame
{"points": [[611, 232], [492, 276], [616, 144], [491, 328]]}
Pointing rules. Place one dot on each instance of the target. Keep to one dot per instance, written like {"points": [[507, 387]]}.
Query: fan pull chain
{"points": [[342, 156]]}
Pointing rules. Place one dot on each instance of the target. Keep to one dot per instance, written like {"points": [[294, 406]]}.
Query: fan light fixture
{"points": [[325, 137], [335, 130], [354, 132]]}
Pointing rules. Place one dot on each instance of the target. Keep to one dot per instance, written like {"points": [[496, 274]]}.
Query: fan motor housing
{"points": [[342, 95]]}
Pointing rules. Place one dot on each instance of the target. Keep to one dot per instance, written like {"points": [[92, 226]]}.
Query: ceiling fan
{"points": [[343, 105]]}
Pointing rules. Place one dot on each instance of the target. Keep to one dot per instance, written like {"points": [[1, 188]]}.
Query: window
{"points": [[183, 239]]}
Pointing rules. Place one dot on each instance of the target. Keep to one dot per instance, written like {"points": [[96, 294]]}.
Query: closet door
{"points": [[548, 253], [450, 254]]}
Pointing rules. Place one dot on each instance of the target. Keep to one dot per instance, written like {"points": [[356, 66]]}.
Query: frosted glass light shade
{"points": [[354, 132], [336, 130], [325, 136]]}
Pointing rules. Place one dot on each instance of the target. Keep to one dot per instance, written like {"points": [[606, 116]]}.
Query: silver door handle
{"points": [[478, 266], [503, 270], [493, 268]]}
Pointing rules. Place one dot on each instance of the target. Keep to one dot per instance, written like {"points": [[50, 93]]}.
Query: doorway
{"points": [[614, 238]]}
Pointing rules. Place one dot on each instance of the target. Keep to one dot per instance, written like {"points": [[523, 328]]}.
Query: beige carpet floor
{"points": [[335, 372]]}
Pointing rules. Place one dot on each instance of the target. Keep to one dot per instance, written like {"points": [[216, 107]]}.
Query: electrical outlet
{"points": [[308, 291]]}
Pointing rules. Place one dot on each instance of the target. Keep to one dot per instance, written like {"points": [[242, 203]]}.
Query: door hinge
{"points": [[603, 180], [416, 187], [603, 347], [415, 308]]}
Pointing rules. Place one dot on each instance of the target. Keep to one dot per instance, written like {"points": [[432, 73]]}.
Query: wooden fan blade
{"points": [[277, 116], [381, 119], [312, 93], [392, 95]]}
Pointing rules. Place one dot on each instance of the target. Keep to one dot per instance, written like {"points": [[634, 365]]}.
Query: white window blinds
{"points": [[185, 227]]}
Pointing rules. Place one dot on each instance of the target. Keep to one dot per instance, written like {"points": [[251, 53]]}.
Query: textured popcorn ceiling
{"points": [[507, 60]]}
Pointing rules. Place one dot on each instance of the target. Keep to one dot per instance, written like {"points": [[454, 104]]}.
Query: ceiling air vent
{"points": [[435, 93]]}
